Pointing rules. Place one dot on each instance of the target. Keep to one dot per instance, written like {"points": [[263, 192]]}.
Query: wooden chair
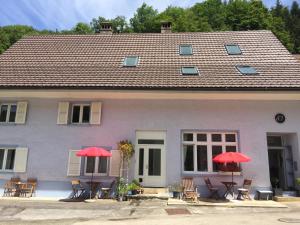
{"points": [[77, 189], [189, 189], [10, 188], [245, 190], [213, 190], [28, 189], [106, 191]]}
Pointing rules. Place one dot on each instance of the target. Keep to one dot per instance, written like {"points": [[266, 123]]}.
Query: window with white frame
{"points": [[8, 113], [7, 159], [199, 148], [96, 165], [81, 113]]}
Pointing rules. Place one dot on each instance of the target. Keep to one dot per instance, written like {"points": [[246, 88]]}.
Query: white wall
{"points": [[49, 143]]}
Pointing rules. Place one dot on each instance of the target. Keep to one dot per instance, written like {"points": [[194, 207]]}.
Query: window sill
{"points": [[227, 173], [187, 173]]}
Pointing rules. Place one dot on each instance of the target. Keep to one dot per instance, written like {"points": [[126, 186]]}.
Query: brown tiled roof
{"points": [[297, 56], [95, 61]]}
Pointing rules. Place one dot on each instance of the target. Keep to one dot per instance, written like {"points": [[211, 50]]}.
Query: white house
{"points": [[182, 98]]}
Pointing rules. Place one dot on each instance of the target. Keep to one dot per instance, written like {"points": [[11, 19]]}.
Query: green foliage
{"points": [[209, 15], [121, 187], [127, 149]]}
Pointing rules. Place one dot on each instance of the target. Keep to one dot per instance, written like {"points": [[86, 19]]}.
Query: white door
{"points": [[150, 158]]}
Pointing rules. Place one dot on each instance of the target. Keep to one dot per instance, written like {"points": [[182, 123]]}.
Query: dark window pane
{"points": [[216, 150], [10, 159], [1, 158], [102, 165], [230, 148], [151, 141], [3, 113], [141, 161], [202, 137], [274, 141], [76, 114], [202, 158], [12, 115], [154, 162], [233, 49], [86, 114], [188, 156], [216, 137], [188, 137], [90, 165], [230, 137]]}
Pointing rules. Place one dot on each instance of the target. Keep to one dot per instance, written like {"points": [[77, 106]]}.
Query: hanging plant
{"points": [[127, 149]]}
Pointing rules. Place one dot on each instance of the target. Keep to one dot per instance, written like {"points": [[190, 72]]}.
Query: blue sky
{"points": [[64, 14]]}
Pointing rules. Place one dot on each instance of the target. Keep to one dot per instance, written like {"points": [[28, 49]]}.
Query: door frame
{"points": [[151, 135]]}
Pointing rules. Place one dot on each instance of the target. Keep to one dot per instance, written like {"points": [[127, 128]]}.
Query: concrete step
{"points": [[286, 199], [155, 190]]}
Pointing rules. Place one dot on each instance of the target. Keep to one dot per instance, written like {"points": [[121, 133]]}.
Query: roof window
{"points": [[185, 50], [247, 70], [233, 49], [189, 70], [131, 61]]}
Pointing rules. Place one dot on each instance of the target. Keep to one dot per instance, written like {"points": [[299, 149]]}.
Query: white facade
{"points": [[49, 140]]}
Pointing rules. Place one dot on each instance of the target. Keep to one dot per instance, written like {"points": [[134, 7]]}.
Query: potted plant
{"points": [[127, 150], [297, 181], [121, 190], [176, 189], [134, 187], [275, 184]]}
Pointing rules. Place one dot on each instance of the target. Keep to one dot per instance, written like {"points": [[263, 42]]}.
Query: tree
{"points": [[145, 20], [82, 28], [96, 23]]}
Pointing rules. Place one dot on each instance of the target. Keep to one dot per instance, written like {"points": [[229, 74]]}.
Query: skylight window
{"points": [[247, 70], [131, 61], [185, 50], [233, 49], [189, 70]]}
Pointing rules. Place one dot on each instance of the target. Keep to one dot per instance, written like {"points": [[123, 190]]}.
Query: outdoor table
{"points": [[229, 188], [94, 185]]}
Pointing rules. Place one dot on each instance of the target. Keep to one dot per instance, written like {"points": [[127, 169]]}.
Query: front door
{"points": [[150, 158]]}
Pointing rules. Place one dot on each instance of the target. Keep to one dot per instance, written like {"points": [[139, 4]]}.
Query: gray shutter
{"points": [[115, 163], [63, 112], [20, 160], [21, 113], [74, 163], [96, 113]]}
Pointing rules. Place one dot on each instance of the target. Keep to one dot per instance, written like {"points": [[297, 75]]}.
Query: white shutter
{"points": [[20, 160], [95, 113], [74, 164], [115, 163], [63, 112], [21, 112]]}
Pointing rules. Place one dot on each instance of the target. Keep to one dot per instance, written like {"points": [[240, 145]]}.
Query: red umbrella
{"points": [[93, 152], [231, 157]]}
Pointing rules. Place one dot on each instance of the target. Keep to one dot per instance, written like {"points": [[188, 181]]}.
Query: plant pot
{"points": [[134, 192], [176, 194]]}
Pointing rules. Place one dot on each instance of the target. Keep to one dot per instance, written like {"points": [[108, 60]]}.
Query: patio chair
{"points": [[77, 189], [10, 188], [107, 192], [213, 190], [245, 190], [189, 189], [28, 189]]}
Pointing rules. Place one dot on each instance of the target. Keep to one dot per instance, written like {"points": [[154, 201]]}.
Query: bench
{"points": [[266, 193]]}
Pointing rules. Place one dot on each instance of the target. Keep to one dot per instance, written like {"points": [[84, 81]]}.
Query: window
{"points": [[247, 70], [81, 113], [8, 113], [199, 148], [233, 49], [185, 50], [131, 61], [7, 159], [189, 70], [96, 165]]}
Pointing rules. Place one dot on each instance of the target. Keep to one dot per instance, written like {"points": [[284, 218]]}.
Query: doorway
{"points": [[280, 163], [150, 158]]}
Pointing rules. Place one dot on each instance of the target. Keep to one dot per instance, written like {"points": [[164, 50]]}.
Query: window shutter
{"points": [[20, 160], [74, 164], [115, 163], [21, 112], [96, 113], [63, 112]]}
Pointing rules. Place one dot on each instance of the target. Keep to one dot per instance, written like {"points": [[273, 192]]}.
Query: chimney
{"points": [[106, 28], [166, 27]]}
